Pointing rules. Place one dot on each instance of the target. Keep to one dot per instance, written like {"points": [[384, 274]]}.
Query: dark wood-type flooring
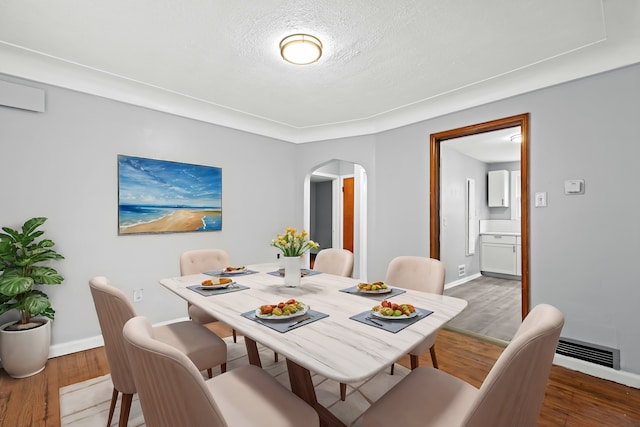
{"points": [[572, 398]]}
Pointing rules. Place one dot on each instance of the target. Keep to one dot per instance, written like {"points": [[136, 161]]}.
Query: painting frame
{"points": [[163, 196]]}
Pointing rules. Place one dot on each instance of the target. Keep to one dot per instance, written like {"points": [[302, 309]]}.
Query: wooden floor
{"points": [[572, 398]]}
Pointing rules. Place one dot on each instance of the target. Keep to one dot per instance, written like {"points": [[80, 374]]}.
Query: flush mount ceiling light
{"points": [[301, 49]]}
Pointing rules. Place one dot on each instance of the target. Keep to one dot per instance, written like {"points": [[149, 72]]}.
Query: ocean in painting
{"points": [[130, 215]]}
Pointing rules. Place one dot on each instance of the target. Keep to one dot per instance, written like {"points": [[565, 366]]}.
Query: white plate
{"points": [[218, 286], [291, 316], [379, 291], [242, 270], [404, 316]]}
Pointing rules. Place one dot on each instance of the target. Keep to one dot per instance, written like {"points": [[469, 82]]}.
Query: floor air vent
{"points": [[605, 356]]}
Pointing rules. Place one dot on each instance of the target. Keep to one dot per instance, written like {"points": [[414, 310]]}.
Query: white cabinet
{"points": [[498, 189], [500, 253]]}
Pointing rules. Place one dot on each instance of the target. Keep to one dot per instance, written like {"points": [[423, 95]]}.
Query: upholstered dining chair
{"points": [[196, 342], [173, 393], [511, 394], [198, 261], [334, 261], [420, 274]]}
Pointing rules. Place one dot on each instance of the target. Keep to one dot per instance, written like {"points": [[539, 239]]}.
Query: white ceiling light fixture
{"points": [[301, 49], [516, 138]]}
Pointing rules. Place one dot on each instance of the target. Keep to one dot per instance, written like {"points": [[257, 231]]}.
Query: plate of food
{"points": [[234, 270], [283, 310], [392, 311], [220, 283], [373, 288]]}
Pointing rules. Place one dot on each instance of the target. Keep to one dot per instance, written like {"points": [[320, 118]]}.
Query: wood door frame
{"points": [[521, 120]]}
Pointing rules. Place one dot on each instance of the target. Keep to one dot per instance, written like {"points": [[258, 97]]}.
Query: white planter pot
{"points": [[25, 353], [292, 271]]}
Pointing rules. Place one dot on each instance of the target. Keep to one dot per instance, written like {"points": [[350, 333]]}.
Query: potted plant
{"points": [[24, 344], [293, 245]]}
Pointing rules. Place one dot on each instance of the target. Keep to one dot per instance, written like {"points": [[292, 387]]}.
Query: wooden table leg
{"points": [[252, 352], [302, 386]]}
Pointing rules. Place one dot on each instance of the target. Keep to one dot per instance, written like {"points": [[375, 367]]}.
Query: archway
{"points": [[334, 172]]}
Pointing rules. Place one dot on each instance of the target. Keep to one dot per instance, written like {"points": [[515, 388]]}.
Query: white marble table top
{"points": [[336, 347]]}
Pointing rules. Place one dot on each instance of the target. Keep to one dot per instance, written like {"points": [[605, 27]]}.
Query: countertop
{"points": [[500, 233]]}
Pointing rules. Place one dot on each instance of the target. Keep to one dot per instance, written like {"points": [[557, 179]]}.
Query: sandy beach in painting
{"points": [[182, 220]]}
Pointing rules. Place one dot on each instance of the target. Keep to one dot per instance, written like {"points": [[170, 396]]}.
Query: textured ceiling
{"points": [[385, 63]]}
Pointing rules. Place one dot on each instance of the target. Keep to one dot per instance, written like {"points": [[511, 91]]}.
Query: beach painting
{"points": [[158, 196]]}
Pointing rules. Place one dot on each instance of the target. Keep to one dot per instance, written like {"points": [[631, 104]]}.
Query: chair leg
{"points": [[235, 335], [125, 408], [210, 372], [223, 368], [393, 365], [415, 361], [433, 356], [275, 356], [343, 391], [114, 399]]}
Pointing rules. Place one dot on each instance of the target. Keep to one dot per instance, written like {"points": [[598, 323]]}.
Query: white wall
{"points": [[455, 168], [62, 164], [584, 249]]}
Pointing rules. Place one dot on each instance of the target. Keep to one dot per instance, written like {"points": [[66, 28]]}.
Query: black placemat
{"points": [[235, 287], [380, 297], [393, 326], [220, 273], [286, 325], [303, 272]]}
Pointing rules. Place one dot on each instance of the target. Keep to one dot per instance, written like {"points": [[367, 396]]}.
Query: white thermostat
{"points": [[574, 186]]}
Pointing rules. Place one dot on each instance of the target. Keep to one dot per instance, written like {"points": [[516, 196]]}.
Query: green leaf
{"points": [[15, 284], [36, 304], [45, 276], [31, 224]]}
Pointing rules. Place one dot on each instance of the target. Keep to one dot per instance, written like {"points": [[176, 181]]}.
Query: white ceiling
{"points": [[489, 147], [385, 63]]}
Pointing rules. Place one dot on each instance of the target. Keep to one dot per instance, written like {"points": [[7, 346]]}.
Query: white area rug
{"points": [[86, 404]]}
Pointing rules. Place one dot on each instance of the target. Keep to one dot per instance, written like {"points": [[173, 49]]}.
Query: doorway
{"points": [[435, 186], [336, 209]]}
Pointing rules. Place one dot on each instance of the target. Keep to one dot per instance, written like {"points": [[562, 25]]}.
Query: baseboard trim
{"points": [[462, 281], [91, 342], [620, 377]]}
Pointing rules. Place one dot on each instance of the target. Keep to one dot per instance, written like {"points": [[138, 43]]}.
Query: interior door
{"points": [[347, 213]]}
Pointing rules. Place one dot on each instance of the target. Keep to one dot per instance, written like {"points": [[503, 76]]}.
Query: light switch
{"points": [[541, 199], [574, 186]]}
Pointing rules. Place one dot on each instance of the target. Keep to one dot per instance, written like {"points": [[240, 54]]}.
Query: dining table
{"points": [[339, 336]]}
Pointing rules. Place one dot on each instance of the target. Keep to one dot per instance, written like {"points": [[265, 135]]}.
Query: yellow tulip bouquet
{"points": [[292, 243]]}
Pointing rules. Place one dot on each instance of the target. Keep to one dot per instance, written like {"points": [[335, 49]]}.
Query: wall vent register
{"points": [[601, 355]]}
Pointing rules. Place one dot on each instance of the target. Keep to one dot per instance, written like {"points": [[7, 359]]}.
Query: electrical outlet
{"points": [[137, 295], [461, 270]]}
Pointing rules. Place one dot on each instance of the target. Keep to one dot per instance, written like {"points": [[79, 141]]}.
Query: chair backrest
{"points": [[512, 393], [334, 261], [171, 390], [201, 260], [417, 273], [114, 309]]}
